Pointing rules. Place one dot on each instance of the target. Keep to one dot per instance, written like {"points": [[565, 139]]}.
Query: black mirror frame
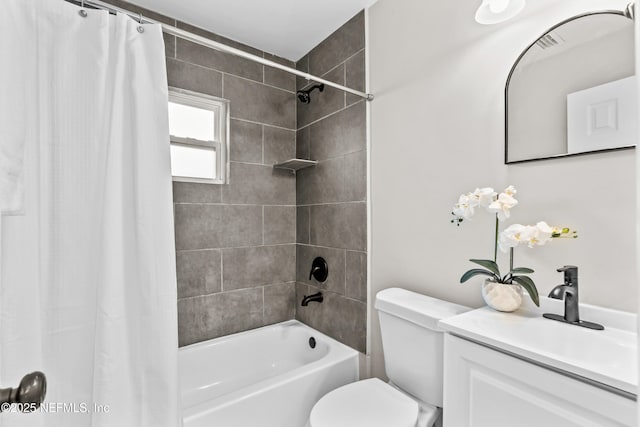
{"points": [[506, 95]]}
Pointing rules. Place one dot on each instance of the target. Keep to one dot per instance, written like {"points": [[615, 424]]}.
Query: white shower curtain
{"points": [[87, 284]]}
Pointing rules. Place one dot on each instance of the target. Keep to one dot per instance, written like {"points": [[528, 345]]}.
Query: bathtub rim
{"points": [[290, 322], [337, 353]]}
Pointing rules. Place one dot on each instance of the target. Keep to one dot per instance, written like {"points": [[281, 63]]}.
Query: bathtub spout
{"points": [[309, 298]]}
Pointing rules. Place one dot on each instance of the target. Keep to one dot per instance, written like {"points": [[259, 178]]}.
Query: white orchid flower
{"points": [[510, 190], [472, 200], [502, 206], [465, 207], [484, 196], [537, 235], [542, 234], [530, 235], [512, 236]]}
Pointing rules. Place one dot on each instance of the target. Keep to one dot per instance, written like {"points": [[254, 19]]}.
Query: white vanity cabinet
{"points": [[484, 387]]}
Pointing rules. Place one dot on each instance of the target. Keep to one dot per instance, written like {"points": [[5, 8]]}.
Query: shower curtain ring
{"points": [[140, 27], [82, 12]]}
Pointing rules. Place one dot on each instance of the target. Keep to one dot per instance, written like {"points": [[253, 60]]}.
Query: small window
{"points": [[198, 126]]}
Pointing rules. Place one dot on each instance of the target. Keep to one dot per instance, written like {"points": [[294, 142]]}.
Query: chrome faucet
{"points": [[569, 292]]}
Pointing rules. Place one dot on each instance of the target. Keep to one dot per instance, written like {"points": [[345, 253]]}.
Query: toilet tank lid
{"points": [[416, 308]]}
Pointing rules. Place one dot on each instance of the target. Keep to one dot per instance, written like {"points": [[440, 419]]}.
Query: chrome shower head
{"points": [[304, 95]]}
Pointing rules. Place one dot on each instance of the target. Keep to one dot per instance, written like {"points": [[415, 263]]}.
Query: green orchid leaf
{"points": [[488, 264], [475, 272], [529, 286], [522, 270]]}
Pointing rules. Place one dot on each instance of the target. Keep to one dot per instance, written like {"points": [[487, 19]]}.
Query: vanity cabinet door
{"points": [[486, 388]]}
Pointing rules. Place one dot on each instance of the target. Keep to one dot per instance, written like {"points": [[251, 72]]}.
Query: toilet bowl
{"points": [[413, 349]]}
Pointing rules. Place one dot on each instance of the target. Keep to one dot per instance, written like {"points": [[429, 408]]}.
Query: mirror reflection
{"points": [[573, 90]]}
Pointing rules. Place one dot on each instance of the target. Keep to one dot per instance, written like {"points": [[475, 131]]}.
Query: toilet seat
{"points": [[367, 403]]}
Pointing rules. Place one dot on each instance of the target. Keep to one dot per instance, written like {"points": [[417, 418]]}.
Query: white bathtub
{"points": [[267, 377]]}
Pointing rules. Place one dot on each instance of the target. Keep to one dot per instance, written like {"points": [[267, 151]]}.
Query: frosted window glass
{"points": [[186, 121], [193, 161]]}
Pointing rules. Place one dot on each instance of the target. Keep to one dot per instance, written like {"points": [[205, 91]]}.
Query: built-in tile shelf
{"points": [[295, 164]]}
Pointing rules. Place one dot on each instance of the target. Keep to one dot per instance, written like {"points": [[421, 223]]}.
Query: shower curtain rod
{"points": [[186, 35]]}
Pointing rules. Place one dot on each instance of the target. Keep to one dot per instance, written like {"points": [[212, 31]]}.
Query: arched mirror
{"points": [[572, 91]]}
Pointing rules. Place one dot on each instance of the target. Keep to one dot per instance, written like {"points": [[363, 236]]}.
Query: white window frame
{"points": [[220, 143]]}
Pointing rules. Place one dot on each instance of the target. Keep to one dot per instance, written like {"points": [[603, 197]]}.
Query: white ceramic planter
{"points": [[502, 297]]}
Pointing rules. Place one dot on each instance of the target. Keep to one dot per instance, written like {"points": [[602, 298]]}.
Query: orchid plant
{"points": [[513, 236]]}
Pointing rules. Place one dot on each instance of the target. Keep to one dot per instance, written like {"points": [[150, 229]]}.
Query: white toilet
{"points": [[413, 352]]}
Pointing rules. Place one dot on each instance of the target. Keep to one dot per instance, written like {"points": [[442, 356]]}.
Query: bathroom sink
{"points": [[606, 358]]}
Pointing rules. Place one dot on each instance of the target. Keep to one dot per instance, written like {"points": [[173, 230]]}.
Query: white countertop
{"points": [[608, 357]]}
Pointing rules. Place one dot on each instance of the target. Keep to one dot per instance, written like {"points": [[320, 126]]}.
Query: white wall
{"points": [[437, 131]]}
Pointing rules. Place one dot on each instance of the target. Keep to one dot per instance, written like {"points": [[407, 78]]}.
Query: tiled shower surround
{"points": [[331, 197], [236, 243], [244, 250]]}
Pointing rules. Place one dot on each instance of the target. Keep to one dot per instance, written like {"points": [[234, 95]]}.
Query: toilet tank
{"points": [[412, 342]]}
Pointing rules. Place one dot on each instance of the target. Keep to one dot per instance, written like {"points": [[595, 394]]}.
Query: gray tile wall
{"points": [[236, 243], [331, 198], [244, 250]]}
